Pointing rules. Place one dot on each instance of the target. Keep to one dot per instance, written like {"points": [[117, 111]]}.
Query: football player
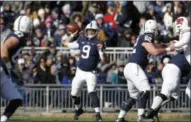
{"points": [[138, 85], [172, 72], [9, 47], [91, 51]]}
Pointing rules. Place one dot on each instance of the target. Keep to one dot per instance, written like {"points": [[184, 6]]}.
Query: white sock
{"points": [[141, 111], [4, 118], [97, 110], [77, 107], [188, 92], [122, 114], [157, 102]]}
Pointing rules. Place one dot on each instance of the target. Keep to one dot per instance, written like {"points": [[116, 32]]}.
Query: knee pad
{"points": [[16, 102], [164, 97], [127, 105], [94, 99], [143, 99], [144, 94], [76, 100]]}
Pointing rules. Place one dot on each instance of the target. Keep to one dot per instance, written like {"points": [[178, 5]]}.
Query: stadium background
{"points": [[119, 25]]}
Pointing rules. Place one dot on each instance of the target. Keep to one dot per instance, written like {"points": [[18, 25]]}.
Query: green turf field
{"points": [[110, 117]]}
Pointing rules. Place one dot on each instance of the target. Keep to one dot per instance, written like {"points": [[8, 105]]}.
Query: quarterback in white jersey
{"points": [[179, 66]]}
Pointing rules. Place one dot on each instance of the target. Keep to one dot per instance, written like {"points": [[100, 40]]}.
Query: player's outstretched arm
{"points": [[183, 41], [150, 47], [69, 44]]}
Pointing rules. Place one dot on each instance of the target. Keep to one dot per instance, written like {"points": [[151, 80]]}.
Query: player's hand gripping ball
{"points": [[72, 28]]}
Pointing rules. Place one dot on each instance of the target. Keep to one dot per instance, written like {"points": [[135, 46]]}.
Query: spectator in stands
{"points": [[50, 28], [47, 10], [36, 23], [107, 28], [168, 16], [112, 76], [90, 14], [159, 7], [9, 15], [125, 39], [53, 77], [4, 30], [56, 17], [66, 13], [78, 19], [111, 14], [39, 39], [150, 72], [72, 73], [59, 34], [42, 72], [180, 11], [133, 39], [41, 15], [59, 61], [121, 76], [72, 62]]}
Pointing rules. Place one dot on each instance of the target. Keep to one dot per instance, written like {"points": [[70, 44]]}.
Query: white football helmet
{"points": [[150, 26], [91, 26], [23, 24], [180, 24]]}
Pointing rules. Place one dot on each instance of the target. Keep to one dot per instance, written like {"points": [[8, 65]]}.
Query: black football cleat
{"points": [[98, 117], [78, 113]]}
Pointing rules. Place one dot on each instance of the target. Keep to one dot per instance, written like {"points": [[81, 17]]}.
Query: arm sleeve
{"points": [[73, 45], [183, 41]]}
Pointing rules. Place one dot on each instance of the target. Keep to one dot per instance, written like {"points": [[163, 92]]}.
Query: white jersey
{"points": [[184, 43]]}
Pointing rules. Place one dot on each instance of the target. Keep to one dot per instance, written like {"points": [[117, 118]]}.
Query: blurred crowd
{"points": [[119, 25]]}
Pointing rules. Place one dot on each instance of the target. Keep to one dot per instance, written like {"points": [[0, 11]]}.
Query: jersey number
{"points": [[86, 51]]}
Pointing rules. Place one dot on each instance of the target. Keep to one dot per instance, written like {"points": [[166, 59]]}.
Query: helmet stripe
{"points": [[19, 23]]}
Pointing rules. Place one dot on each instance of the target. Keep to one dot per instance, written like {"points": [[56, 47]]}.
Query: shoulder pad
{"points": [[148, 37]]}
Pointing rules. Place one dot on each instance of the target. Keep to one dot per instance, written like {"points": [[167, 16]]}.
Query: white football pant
{"points": [[80, 79], [171, 81], [137, 81]]}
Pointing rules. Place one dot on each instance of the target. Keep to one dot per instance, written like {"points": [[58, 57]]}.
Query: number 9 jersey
{"points": [[140, 54], [89, 53]]}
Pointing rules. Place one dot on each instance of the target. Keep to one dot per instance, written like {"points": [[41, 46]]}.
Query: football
{"points": [[72, 28]]}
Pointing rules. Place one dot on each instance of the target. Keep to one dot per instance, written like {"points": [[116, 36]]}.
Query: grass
{"points": [[110, 117]]}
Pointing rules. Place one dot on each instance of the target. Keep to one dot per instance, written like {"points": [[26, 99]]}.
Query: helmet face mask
{"points": [[91, 30], [91, 33]]}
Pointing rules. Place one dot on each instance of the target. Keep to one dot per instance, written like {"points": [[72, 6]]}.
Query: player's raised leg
{"points": [[138, 87], [91, 86], [77, 84], [10, 93], [170, 86]]}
